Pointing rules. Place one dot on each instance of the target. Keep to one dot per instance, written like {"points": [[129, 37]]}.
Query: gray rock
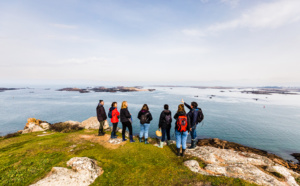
{"points": [[84, 172], [32, 127], [93, 123]]}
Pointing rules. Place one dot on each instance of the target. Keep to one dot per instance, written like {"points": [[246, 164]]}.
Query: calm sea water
{"points": [[272, 123]]}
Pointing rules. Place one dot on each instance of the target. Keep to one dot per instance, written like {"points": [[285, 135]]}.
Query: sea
{"points": [[267, 122]]}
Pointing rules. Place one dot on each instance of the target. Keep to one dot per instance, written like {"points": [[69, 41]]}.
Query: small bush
{"points": [[64, 127], [11, 135]]}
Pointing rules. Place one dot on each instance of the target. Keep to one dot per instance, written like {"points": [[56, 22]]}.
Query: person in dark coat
{"points": [[126, 121], [145, 117], [181, 135], [193, 114], [164, 125], [101, 116]]}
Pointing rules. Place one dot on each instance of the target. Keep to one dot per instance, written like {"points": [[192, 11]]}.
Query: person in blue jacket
{"points": [[193, 114]]}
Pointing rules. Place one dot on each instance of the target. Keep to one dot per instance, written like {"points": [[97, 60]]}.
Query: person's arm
{"points": [[188, 106], [189, 124], [170, 117], [195, 116], [139, 115], [176, 116], [127, 114], [150, 117], [160, 120]]}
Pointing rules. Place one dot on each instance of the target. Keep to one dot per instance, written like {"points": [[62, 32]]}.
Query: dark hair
{"points": [[113, 104], [145, 107], [194, 104], [100, 100], [181, 108], [166, 106]]}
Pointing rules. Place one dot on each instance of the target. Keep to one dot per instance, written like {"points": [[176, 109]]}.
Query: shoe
{"points": [[141, 140], [102, 131], [178, 152], [131, 139], [112, 136], [193, 145], [123, 136], [146, 141], [182, 154], [168, 142], [161, 144]]}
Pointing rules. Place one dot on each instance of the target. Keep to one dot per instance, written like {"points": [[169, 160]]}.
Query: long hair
{"points": [[124, 105], [113, 104], [145, 107], [181, 108]]}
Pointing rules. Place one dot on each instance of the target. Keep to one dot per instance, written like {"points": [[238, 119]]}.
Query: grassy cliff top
{"points": [[27, 158]]}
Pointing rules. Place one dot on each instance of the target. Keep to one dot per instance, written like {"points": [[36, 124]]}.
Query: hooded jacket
{"points": [[101, 114], [188, 120], [125, 115], [149, 116], [115, 115], [162, 119], [193, 114]]}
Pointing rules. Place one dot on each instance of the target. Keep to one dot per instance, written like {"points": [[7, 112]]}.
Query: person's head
{"points": [[114, 104], [145, 107], [166, 106], [194, 104], [181, 108], [124, 104], [101, 102]]}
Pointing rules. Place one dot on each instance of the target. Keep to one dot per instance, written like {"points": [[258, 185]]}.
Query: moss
{"points": [[28, 158]]}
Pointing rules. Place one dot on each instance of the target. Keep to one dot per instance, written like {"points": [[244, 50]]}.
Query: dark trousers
{"points": [[128, 125], [115, 125], [101, 126], [165, 131]]}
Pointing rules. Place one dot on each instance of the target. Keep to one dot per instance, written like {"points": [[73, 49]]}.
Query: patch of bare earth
{"points": [[105, 140]]}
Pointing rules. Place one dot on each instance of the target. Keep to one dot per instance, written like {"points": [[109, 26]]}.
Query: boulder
{"points": [[244, 165], [93, 123], [72, 122], [32, 127], [84, 172], [45, 126]]}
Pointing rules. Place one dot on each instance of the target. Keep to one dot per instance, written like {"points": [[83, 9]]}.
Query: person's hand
{"points": [[182, 101], [191, 129]]}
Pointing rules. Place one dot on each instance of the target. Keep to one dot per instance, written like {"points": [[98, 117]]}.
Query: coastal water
{"points": [[271, 123]]}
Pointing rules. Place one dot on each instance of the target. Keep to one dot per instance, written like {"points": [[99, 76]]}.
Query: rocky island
{"points": [[104, 89], [39, 155], [5, 89]]}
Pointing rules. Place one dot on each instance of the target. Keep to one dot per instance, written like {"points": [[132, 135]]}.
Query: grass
{"points": [[298, 180], [27, 158]]}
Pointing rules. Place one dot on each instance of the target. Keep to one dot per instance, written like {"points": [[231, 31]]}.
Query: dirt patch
{"points": [[102, 140], [222, 144]]}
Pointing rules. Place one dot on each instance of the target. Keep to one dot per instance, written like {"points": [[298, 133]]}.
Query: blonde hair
{"points": [[181, 108], [124, 105]]}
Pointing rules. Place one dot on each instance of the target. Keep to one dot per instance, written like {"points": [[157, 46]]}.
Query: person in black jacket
{"points": [[101, 116], [126, 121], [181, 131], [164, 124], [193, 114], [145, 117]]}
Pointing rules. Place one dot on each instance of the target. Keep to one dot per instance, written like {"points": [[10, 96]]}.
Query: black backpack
{"points": [[168, 119], [200, 116], [144, 118]]}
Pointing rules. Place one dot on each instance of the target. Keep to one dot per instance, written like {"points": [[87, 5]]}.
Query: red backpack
{"points": [[182, 123]]}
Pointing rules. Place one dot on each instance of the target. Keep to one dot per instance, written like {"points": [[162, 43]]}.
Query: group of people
{"points": [[185, 123]]}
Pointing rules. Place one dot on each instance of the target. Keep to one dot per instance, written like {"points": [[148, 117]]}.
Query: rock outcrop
{"points": [[84, 172], [35, 125], [244, 165], [93, 123]]}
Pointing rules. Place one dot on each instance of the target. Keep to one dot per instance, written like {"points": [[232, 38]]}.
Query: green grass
{"points": [[298, 180], [27, 158]]}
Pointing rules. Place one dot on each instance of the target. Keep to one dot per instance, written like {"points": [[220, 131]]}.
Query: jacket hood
{"points": [[112, 108]]}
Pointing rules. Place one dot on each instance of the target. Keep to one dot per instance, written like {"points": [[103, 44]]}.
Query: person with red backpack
{"points": [[114, 115], [196, 116], [182, 128], [164, 124], [145, 117]]}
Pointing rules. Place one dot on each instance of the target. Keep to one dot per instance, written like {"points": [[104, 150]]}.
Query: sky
{"points": [[195, 42]]}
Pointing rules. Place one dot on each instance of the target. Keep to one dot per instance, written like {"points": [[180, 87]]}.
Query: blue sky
{"points": [[201, 42]]}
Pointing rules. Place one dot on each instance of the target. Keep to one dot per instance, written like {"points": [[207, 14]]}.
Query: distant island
{"points": [[104, 89], [5, 89]]}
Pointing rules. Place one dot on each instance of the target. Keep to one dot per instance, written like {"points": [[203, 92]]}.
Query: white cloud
{"points": [[232, 3]]}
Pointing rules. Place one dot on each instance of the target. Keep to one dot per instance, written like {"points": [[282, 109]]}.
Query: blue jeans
{"points": [[144, 130], [193, 132], [181, 139], [164, 132]]}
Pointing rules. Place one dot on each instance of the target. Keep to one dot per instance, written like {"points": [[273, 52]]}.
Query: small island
{"points": [[5, 89], [104, 89]]}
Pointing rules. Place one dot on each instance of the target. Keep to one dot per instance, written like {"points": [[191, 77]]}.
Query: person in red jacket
{"points": [[114, 115]]}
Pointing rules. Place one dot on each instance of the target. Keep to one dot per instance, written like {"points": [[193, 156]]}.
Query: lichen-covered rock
{"points": [[32, 128], [72, 122], [243, 165], [84, 172], [45, 126], [115, 141]]}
